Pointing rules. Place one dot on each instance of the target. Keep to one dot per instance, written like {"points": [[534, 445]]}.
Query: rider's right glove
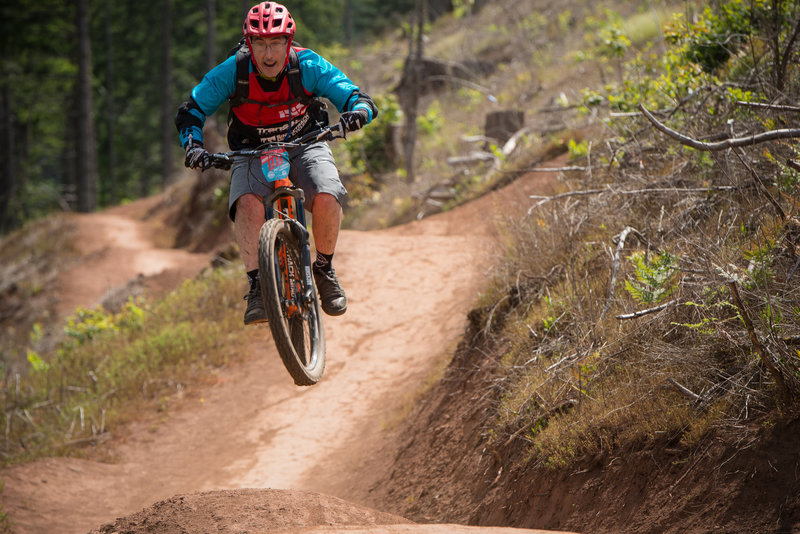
{"points": [[353, 120], [197, 156]]}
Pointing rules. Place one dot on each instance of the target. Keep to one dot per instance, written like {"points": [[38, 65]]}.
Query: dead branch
{"points": [[545, 199], [793, 164], [639, 313], [760, 349], [488, 326], [791, 274], [473, 158], [793, 109], [558, 109], [93, 440], [784, 133], [551, 169], [685, 391], [620, 245], [740, 154], [511, 145]]}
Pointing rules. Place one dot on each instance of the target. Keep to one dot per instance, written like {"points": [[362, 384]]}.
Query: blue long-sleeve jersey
{"points": [[270, 111]]}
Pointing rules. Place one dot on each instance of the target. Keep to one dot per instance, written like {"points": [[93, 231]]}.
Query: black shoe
{"points": [[331, 294], [255, 312]]}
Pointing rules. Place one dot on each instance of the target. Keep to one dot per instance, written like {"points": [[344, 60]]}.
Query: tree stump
{"points": [[501, 125]]}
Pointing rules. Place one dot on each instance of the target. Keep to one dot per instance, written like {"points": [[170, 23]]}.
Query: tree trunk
{"points": [[413, 65], [8, 156], [211, 34], [69, 157], [87, 152], [348, 22], [167, 105], [111, 110]]}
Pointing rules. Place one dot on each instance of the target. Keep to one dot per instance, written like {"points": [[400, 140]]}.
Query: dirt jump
{"points": [[251, 452]]}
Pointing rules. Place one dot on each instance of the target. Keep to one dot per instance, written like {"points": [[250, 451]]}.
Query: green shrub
{"points": [[109, 364], [371, 150], [654, 277]]}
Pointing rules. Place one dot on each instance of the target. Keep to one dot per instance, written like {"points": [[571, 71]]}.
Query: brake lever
{"points": [[336, 132], [220, 161]]}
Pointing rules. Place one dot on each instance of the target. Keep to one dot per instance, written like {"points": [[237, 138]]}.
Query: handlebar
{"points": [[224, 160]]}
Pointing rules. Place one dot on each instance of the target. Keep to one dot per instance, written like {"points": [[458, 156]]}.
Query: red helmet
{"points": [[268, 19]]}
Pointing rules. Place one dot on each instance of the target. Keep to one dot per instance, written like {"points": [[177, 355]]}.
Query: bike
{"points": [[284, 259]]}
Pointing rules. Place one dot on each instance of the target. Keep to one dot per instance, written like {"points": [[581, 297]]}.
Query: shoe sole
{"points": [[334, 313]]}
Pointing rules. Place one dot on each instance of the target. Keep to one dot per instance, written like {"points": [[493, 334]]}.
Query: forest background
{"points": [[89, 89]]}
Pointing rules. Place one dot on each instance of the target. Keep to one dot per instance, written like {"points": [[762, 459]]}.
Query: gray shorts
{"points": [[312, 169]]}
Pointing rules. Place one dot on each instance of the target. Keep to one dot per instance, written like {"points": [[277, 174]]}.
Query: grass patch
{"points": [[646, 26], [605, 346], [110, 367], [5, 522]]}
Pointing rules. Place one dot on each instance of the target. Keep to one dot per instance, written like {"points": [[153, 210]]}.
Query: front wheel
{"points": [[293, 310]]}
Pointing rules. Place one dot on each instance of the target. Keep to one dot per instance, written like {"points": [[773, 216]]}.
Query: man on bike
{"points": [[269, 112]]}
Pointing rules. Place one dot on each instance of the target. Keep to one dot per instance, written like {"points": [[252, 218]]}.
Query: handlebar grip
{"points": [[221, 161]]}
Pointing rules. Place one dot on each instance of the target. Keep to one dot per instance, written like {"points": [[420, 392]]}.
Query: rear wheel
{"points": [[294, 313]]}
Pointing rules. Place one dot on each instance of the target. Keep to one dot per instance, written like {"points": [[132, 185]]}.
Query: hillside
{"points": [[595, 329]]}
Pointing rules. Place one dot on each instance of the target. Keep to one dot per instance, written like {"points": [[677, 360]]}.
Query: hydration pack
{"points": [[316, 107]]}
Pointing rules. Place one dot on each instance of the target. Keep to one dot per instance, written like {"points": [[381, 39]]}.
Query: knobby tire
{"points": [[296, 328]]}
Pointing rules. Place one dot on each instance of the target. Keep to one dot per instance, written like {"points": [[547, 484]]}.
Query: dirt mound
{"points": [[267, 510], [246, 510]]}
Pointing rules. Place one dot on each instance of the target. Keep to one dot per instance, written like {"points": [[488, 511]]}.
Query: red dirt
{"points": [[409, 290]]}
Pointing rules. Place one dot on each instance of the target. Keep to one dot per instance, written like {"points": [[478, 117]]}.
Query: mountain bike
{"points": [[284, 259]]}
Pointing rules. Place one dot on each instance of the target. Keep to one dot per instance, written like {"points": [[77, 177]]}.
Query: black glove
{"points": [[353, 120], [197, 156]]}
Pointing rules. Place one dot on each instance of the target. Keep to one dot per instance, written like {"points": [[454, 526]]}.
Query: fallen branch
{"points": [[760, 349], [511, 145], [474, 157], [685, 391], [550, 169], [785, 133], [91, 440], [639, 313], [776, 107]]}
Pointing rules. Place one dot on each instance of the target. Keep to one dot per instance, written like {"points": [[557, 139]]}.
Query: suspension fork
{"points": [[289, 204]]}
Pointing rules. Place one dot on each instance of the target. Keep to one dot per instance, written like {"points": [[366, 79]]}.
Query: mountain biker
{"points": [[270, 113]]}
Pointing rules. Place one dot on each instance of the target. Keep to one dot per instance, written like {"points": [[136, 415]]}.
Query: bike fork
{"points": [[305, 249], [294, 212]]}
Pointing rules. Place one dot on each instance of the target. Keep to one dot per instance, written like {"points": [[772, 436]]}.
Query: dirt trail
{"points": [[117, 248], [409, 289]]}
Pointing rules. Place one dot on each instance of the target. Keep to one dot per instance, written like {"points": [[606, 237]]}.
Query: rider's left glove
{"points": [[197, 156], [353, 120]]}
